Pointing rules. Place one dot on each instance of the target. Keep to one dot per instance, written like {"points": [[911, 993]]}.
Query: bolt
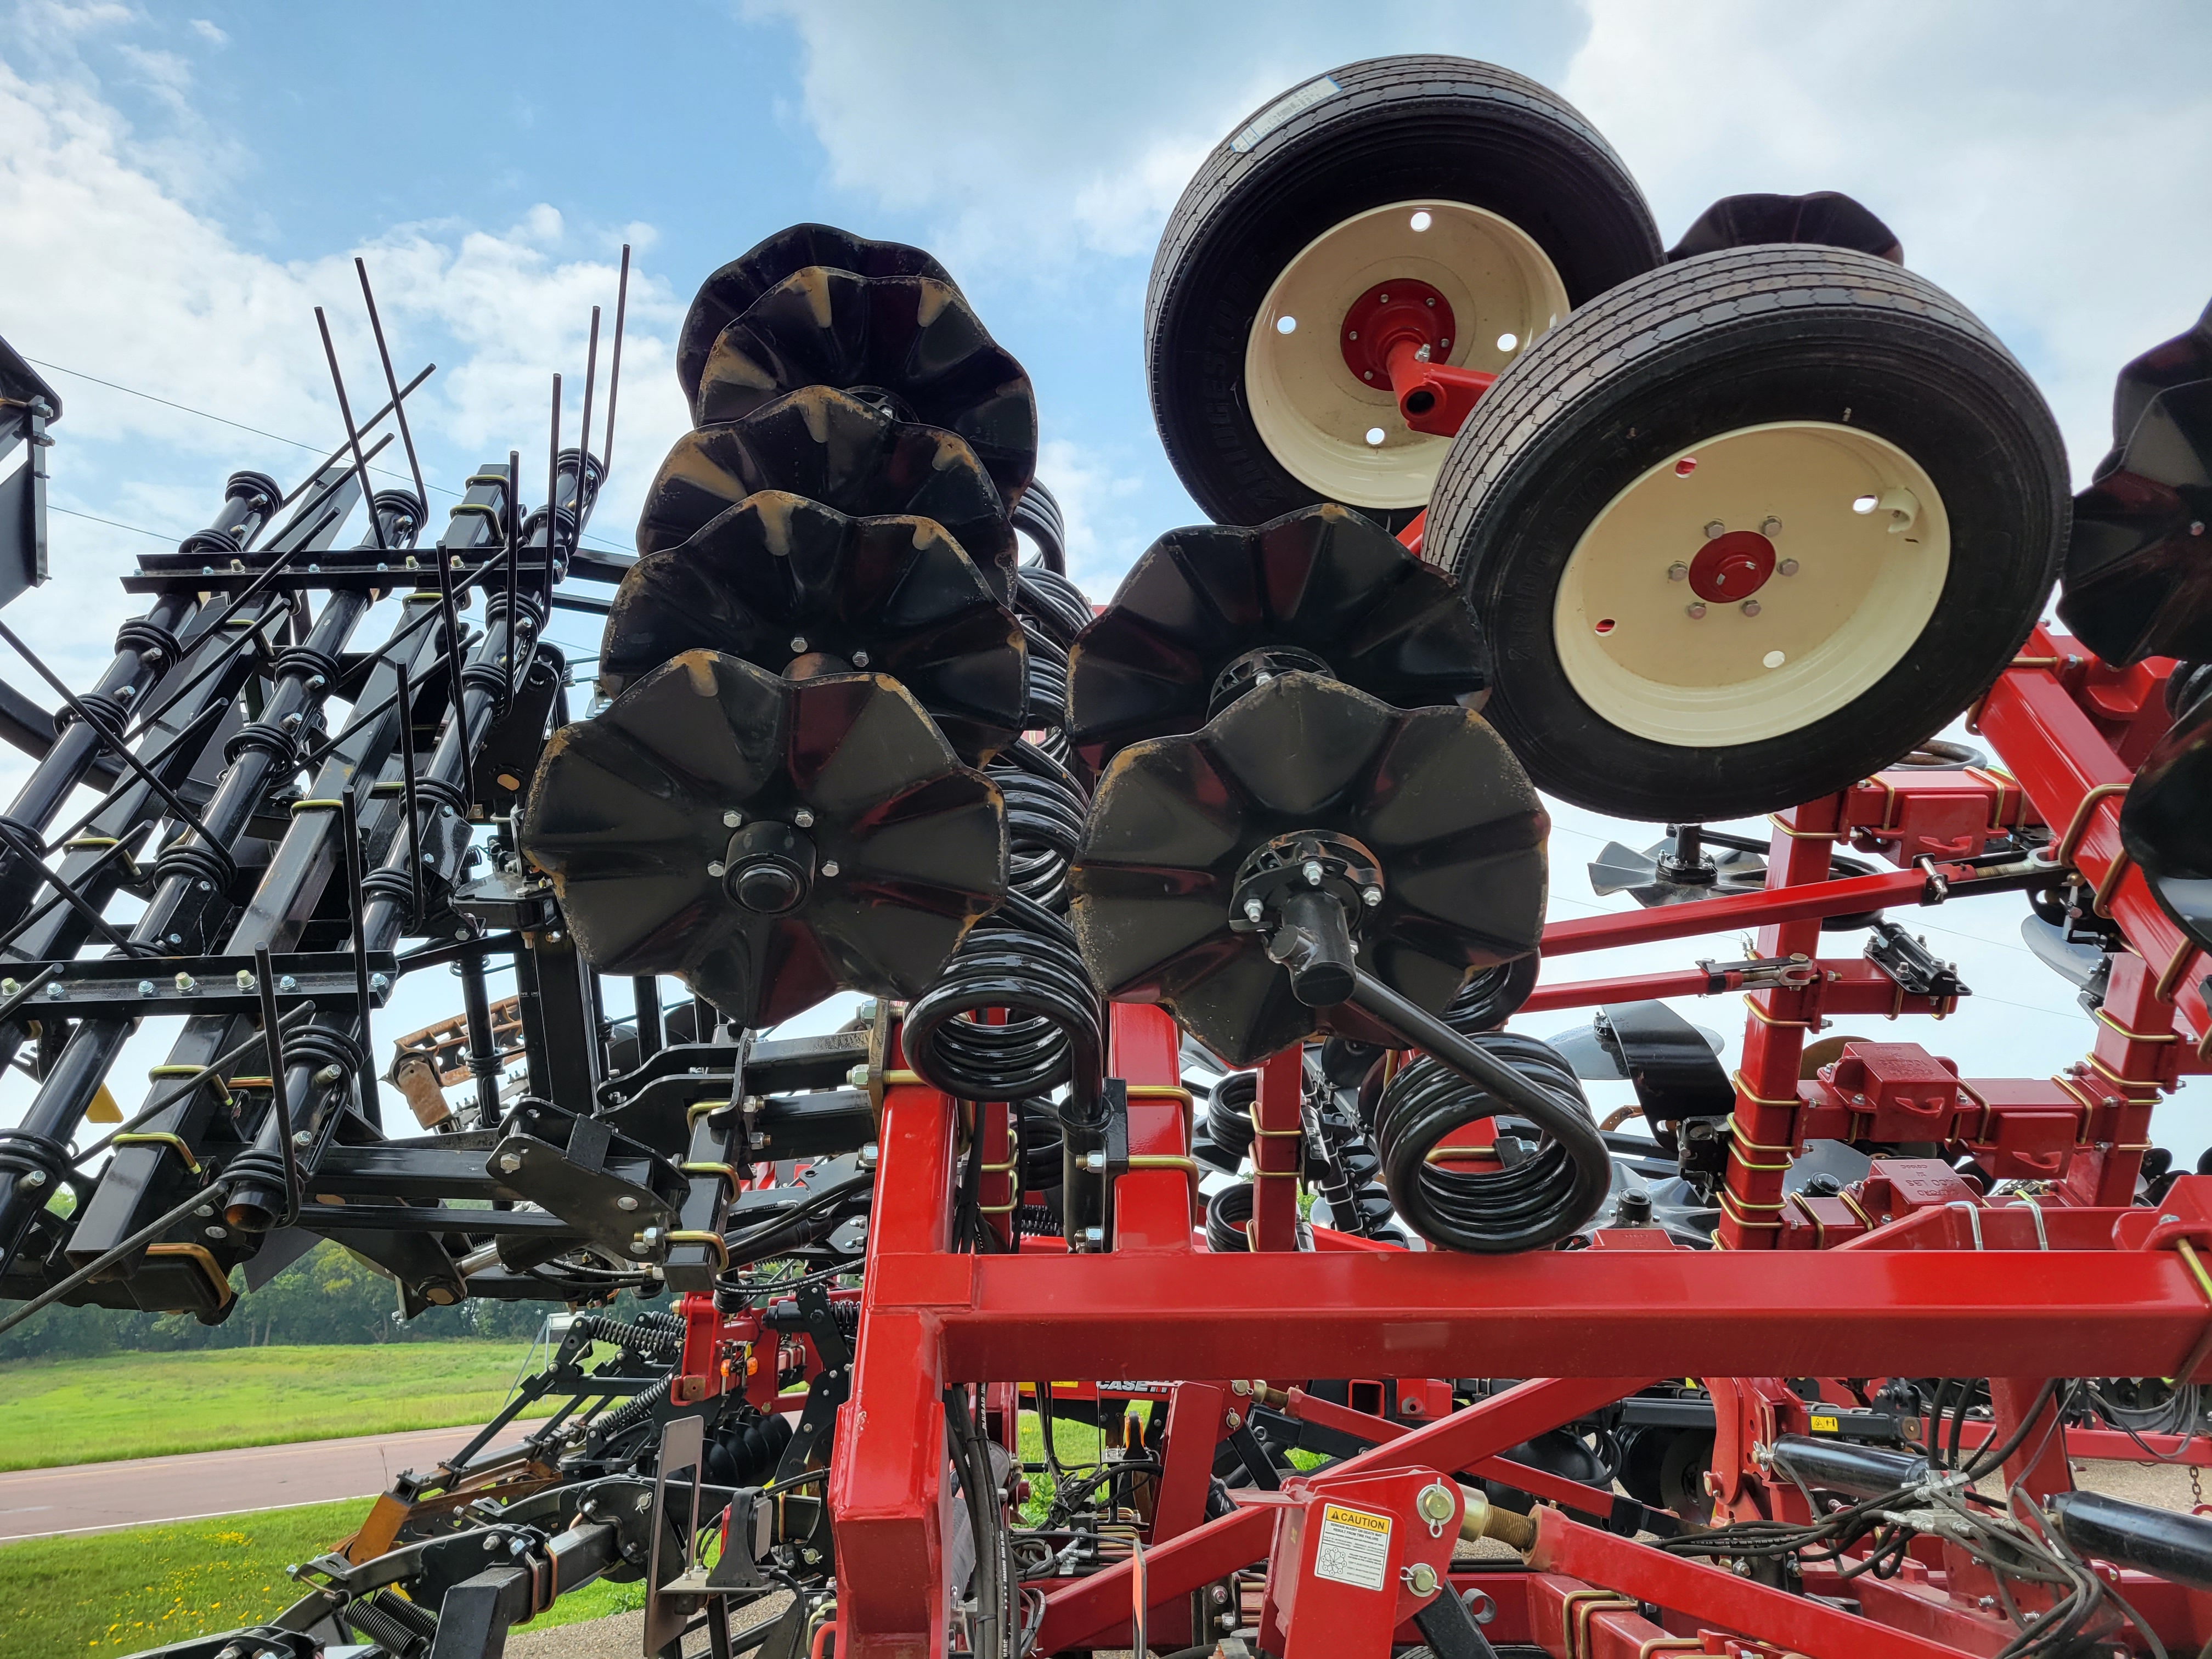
{"points": [[1437, 1502], [1715, 527], [8, 988], [303, 1137], [2169, 1220], [1253, 910], [2198, 528], [205, 1210], [1694, 610], [625, 1202], [869, 1154], [176, 938], [1750, 607], [214, 1232], [1094, 1238], [245, 981], [205, 886], [380, 982], [798, 644], [732, 819], [34, 1178], [1770, 525], [859, 660], [145, 987], [1678, 572], [56, 990], [828, 867], [1219, 1594], [1095, 1162], [1788, 567], [510, 1162], [1371, 897], [715, 867], [1742, 1569], [867, 1010], [803, 818], [329, 1075], [1311, 871], [287, 982], [491, 1543]]}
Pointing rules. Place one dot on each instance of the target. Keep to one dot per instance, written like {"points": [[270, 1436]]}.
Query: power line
{"points": [[118, 523], [224, 420]]}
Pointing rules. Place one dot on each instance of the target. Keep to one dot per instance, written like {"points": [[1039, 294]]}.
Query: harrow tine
{"points": [[352, 435], [384, 357]]}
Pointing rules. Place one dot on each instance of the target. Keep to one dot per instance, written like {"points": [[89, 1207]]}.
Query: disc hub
{"points": [[1732, 567], [1394, 312], [769, 868]]}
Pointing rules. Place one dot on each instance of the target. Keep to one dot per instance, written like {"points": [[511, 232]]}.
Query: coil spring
{"points": [[1037, 516], [1042, 1137], [148, 639], [1226, 1213], [1045, 808], [632, 1411], [393, 1623], [108, 715], [1022, 958], [1053, 611], [640, 1339], [1524, 1205], [1229, 1115], [211, 543], [322, 1047], [1037, 1221], [198, 860]]}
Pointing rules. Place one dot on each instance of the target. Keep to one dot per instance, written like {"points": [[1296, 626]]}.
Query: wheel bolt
{"points": [[1770, 527], [1696, 608], [1714, 527], [1371, 897], [1678, 572], [1788, 567], [1750, 607], [1253, 910], [1312, 871]]}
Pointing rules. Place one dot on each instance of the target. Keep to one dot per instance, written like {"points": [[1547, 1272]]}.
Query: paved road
{"points": [[96, 1496]]}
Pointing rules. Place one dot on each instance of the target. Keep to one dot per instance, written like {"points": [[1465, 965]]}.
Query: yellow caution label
{"points": [[1354, 1547], [1825, 1424]]}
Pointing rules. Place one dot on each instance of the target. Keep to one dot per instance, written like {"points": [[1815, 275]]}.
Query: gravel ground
{"points": [[622, 1636]]}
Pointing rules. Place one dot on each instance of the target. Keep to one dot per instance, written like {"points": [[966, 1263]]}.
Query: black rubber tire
{"points": [[1703, 347], [1397, 129]]}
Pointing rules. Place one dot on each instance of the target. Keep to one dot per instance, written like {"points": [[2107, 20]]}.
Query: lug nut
{"points": [[1770, 525], [1750, 607], [1787, 567], [1695, 609], [1678, 572], [1715, 527]]}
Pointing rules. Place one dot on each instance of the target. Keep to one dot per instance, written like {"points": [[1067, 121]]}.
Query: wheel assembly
{"points": [[798, 589], [1284, 370], [768, 841], [1208, 613], [1737, 529]]}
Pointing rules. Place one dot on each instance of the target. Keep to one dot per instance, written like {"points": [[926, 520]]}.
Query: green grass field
{"points": [[149, 1405], [118, 1592]]}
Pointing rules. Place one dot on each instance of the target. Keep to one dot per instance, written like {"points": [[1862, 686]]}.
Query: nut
{"points": [[1715, 527], [509, 1162], [1694, 610], [1750, 607], [804, 817], [1787, 567], [1678, 572]]}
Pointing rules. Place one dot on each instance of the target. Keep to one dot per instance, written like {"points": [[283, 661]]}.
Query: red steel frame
{"points": [[2084, 1285]]}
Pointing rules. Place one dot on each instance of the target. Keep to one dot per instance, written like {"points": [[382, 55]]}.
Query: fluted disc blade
{"points": [[2138, 573], [1323, 580], [727, 295], [779, 577], [1620, 869], [630, 808], [1432, 793], [2165, 822], [842, 453], [910, 343], [1826, 217]]}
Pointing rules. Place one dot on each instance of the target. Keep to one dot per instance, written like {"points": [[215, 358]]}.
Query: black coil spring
{"points": [[281, 743], [1229, 1115], [325, 1046], [632, 1411], [1053, 611], [148, 639], [652, 1341], [1037, 516], [442, 791], [1226, 1213], [262, 1167], [211, 543], [396, 886], [393, 1623], [195, 860], [1527, 1205], [752, 1448], [21, 839], [109, 715], [1022, 958], [1041, 1139], [1045, 808], [1037, 1221], [307, 663]]}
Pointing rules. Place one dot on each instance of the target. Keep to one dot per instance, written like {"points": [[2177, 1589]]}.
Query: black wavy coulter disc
{"points": [[842, 453], [910, 343], [1826, 217], [2165, 822], [1323, 581], [1433, 794], [795, 587], [2138, 573], [906, 847], [731, 291]]}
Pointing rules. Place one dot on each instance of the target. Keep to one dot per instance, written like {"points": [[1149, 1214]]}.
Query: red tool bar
{"points": [[1872, 1312], [2106, 1445], [1709, 1595], [1723, 915], [1628, 988]]}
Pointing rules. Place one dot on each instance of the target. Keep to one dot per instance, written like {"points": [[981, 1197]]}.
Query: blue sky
{"points": [[179, 186]]}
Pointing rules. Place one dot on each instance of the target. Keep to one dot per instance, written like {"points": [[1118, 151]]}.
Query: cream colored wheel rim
{"points": [[1862, 521], [1313, 414]]}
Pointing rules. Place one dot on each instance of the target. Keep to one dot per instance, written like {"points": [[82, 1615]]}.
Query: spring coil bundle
{"points": [[1531, 1202]]}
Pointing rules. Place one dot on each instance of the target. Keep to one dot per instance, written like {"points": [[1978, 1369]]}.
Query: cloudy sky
{"points": [[181, 186]]}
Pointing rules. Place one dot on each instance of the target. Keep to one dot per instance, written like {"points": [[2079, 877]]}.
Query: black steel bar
{"points": [[405, 696], [176, 806], [280, 1097], [76, 900], [584, 424], [353, 436], [614, 377], [152, 1110], [453, 620], [384, 357], [38, 912], [184, 733], [553, 500], [652, 1032], [367, 427], [513, 556], [372, 1102], [436, 955]]}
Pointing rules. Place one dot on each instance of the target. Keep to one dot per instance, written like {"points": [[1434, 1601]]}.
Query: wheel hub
{"points": [[1395, 311], [1731, 567]]}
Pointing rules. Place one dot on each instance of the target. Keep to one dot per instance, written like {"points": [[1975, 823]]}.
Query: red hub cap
{"points": [[1389, 312], [1732, 567]]}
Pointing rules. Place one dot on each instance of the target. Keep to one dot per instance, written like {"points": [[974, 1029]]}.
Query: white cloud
{"points": [[209, 33], [2045, 165]]}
